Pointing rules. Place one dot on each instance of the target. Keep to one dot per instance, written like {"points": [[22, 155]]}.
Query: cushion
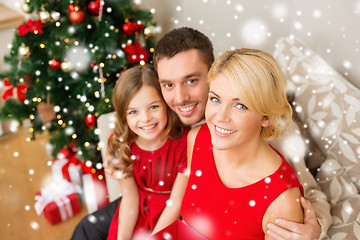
{"points": [[313, 155], [344, 198], [325, 102]]}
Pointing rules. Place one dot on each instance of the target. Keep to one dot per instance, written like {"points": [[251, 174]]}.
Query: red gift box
{"points": [[67, 166], [58, 201], [177, 231], [95, 191]]}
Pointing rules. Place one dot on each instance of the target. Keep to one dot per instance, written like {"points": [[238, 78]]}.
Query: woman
{"points": [[238, 183]]}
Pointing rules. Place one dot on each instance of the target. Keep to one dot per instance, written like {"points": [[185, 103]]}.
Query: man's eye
{"points": [[241, 106], [190, 81], [215, 99], [168, 85]]}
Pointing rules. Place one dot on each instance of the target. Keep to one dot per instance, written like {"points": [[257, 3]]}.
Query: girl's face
{"points": [[230, 122], [146, 115]]}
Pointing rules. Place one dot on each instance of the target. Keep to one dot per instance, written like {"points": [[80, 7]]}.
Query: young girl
{"points": [[238, 184], [148, 151]]}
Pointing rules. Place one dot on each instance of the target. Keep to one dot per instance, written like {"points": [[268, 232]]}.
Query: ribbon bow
{"points": [[69, 154], [20, 90]]}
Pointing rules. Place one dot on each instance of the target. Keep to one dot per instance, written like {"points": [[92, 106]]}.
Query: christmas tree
{"points": [[64, 62]]}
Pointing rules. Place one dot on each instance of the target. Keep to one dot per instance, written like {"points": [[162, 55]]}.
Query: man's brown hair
{"points": [[183, 39]]}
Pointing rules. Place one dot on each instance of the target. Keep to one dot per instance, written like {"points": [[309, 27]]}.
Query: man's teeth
{"points": [[221, 130], [187, 109], [148, 127]]}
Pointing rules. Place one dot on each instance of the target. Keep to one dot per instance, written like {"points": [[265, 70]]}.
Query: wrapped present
{"points": [[58, 201], [68, 169], [67, 166], [177, 231], [95, 191]]}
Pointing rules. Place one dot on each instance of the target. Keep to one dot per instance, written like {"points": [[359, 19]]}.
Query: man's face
{"points": [[184, 85]]}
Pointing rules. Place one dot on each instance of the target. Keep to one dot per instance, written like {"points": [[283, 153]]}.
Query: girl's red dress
{"points": [[155, 173], [219, 212]]}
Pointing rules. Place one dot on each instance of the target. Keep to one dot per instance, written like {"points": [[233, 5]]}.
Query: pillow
{"points": [[334, 182], [313, 155], [344, 199], [325, 101]]}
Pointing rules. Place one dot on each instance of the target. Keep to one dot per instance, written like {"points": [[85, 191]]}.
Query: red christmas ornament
{"points": [[127, 28], [90, 120], [130, 28], [94, 7], [54, 64], [71, 8], [77, 16], [136, 53]]}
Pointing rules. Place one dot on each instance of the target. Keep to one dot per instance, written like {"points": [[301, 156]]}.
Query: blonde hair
{"points": [[127, 86], [258, 79]]}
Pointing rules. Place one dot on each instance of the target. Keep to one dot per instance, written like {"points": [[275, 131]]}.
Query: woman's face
{"points": [[230, 122]]}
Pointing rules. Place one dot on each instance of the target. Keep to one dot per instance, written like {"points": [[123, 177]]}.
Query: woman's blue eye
{"points": [[132, 112], [215, 99], [241, 106], [154, 107]]}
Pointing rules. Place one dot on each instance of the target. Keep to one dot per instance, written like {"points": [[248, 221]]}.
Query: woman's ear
{"points": [[266, 122]]}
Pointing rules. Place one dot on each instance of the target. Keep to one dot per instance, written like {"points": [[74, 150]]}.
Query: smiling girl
{"points": [[148, 153]]}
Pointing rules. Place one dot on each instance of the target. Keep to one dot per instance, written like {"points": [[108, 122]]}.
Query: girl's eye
{"points": [[132, 112], [215, 100], [154, 107], [241, 106]]}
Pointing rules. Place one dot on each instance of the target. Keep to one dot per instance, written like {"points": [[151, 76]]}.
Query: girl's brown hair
{"points": [[127, 86]]}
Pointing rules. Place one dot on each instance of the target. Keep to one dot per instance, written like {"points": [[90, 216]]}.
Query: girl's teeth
{"points": [[221, 130], [148, 127]]}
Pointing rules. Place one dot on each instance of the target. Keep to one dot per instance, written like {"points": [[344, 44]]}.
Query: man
{"points": [[182, 59]]}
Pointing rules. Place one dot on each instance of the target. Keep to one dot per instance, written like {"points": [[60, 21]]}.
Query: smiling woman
{"points": [[246, 105]]}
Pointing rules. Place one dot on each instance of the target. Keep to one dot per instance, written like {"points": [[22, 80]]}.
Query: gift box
{"points": [[67, 166], [58, 201], [177, 231], [95, 191], [68, 169]]}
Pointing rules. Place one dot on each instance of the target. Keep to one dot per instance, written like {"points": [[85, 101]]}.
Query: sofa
{"points": [[322, 144], [327, 113]]}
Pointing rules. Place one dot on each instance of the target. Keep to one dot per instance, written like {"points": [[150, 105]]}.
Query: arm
{"points": [[286, 206], [172, 210], [129, 208], [173, 205], [115, 174], [317, 217]]}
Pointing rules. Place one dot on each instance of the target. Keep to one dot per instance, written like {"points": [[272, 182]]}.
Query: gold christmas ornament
{"points": [[44, 16], [24, 51], [66, 66], [150, 31], [26, 8], [55, 16]]}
